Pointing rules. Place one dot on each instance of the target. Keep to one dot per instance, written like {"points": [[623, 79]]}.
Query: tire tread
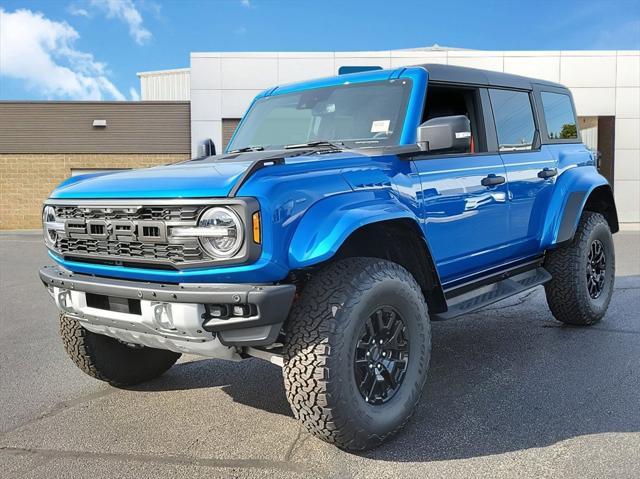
{"points": [[564, 292], [105, 359], [314, 397]]}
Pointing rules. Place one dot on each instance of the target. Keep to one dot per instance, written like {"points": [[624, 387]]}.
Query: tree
{"points": [[569, 130]]}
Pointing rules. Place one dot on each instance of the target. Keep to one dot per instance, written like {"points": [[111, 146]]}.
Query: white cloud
{"points": [[77, 11], [133, 93], [245, 3], [41, 52], [127, 12]]}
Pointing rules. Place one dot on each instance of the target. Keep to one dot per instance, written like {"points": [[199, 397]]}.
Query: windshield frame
{"points": [[399, 136]]}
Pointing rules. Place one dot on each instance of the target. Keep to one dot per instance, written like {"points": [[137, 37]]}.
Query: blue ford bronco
{"points": [[345, 215]]}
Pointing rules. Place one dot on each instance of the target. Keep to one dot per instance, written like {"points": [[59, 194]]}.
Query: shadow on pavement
{"points": [[251, 382], [504, 379]]}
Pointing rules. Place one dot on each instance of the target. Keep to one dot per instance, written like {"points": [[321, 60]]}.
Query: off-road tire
{"points": [[567, 293], [320, 345], [107, 359]]}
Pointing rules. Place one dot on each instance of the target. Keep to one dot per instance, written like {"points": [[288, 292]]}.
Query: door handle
{"points": [[492, 180], [547, 173]]}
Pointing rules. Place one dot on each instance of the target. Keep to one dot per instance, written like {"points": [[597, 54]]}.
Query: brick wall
{"points": [[26, 180]]}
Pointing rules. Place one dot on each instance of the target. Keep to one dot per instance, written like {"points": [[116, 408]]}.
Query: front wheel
{"points": [[107, 359], [582, 273], [357, 352]]}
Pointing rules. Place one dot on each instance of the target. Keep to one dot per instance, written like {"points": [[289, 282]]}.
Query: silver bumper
{"points": [[174, 317]]}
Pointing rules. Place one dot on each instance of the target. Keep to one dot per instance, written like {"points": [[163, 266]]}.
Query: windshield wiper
{"points": [[335, 145], [247, 148]]}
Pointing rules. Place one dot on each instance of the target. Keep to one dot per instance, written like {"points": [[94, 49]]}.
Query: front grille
{"points": [[161, 213], [175, 253], [126, 234]]}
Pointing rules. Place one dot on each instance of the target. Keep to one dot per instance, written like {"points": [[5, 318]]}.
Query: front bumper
{"points": [[173, 316]]}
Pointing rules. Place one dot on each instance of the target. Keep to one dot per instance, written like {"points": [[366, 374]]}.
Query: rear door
{"points": [[531, 170]]}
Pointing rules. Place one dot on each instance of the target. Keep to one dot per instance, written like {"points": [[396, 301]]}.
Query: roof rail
{"points": [[346, 69]]}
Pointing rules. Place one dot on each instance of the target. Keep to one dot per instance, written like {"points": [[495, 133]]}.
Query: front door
{"points": [[464, 211]]}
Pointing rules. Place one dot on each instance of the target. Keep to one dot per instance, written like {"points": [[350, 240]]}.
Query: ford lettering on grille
{"points": [[120, 230]]}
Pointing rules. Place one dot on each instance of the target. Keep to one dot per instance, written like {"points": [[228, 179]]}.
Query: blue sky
{"points": [[92, 49]]}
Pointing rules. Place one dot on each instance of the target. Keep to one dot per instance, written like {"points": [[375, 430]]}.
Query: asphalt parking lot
{"points": [[511, 393]]}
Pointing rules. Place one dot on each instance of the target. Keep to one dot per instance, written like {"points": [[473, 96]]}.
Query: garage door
{"points": [[229, 126]]}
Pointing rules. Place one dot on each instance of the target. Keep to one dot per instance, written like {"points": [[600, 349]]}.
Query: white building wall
{"points": [[165, 85], [602, 82]]}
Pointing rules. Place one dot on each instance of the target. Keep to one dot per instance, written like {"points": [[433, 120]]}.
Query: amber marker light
{"points": [[256, 227]]}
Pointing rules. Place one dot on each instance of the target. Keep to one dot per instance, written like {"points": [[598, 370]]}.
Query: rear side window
{"points": [[558, 113], [514, 119]]}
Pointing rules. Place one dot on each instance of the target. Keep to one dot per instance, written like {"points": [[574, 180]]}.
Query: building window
{"points": [[558, 114], [514, 119]]}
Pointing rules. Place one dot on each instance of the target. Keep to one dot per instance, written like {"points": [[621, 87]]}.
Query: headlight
{"points": [[50, 226], [220, 232], [226, 232]]}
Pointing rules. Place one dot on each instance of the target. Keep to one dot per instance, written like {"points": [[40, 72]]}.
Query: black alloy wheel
{"points": [[381, 356], [596, 268]]}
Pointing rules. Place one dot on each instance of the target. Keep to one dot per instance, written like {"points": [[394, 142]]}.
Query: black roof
{"points": [[455, 74]]}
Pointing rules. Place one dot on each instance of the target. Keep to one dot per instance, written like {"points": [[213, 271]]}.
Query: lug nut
{"points": [[384, 354]]}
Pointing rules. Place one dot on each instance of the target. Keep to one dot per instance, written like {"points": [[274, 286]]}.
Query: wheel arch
{"points": [[577, 190], [344, 225], [599, 199], [403, 244]]}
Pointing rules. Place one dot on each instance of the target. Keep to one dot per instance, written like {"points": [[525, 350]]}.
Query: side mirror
{"points": [[206, 148], [445, 133]]}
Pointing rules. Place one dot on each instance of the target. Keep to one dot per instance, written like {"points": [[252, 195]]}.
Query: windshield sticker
{"points": [[380, 126]]}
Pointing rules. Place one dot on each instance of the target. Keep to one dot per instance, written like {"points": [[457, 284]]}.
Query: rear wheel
{"points": [[107, 359], [583, 273], [357, 352]]}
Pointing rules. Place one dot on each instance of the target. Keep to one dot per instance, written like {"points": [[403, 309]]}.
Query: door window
{"points": [[558, 114], [445, 100], [514, 119]]}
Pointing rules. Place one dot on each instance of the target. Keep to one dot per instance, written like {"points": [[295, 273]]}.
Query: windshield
{"points": [[354, 115]]}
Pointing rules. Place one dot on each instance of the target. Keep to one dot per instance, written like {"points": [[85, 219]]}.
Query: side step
{"points": [[488, 294]]}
